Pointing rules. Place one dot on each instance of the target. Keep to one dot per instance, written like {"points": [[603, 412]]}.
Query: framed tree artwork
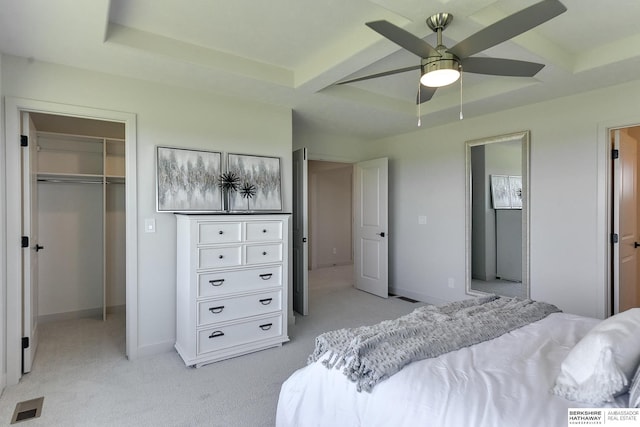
{"points": [[259, 186], [186, 180]]}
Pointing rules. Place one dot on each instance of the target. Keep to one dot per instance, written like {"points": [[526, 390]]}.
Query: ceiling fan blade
{"points": [[500, 67], [425, 94], [385, 73], [508, 28], [403, 38]]}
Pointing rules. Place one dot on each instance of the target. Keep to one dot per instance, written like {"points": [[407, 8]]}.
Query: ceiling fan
{"points": [[441, 66]]}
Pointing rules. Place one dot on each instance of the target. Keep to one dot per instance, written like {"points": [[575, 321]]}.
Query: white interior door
{"points": [[300, 233], [371, 245], [30, 253], [625, 218]]}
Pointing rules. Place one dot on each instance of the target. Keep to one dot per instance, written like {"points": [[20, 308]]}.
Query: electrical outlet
{"points": [[335, 251], [422, 219], [451, 282]]}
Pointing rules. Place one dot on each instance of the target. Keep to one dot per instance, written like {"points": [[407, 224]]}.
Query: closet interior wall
{"points": [[81, 217]]}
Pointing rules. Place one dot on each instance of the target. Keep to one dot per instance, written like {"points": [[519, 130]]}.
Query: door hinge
{"points": [[615, 153], [25, 241], [25, 342], [614, 237], [24, 141]]}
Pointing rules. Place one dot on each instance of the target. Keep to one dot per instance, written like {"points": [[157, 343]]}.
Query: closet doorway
{"points": [[78, 210], [22, 311]]}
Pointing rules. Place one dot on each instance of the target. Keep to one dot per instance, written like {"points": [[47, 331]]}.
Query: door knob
{"points": [[636, 244], [38, 247], [381, 234]]}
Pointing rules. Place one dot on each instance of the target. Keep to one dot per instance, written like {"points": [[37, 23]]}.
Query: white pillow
{"points": [[599, 366], [634, 390]]}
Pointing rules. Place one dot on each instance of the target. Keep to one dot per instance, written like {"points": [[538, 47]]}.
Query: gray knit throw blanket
{"points": [[370, 354]]}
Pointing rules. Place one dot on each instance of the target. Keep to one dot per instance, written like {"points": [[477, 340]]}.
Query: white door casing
{"points": [[300, 233], [625, 221], [371, 244], [30, 252], [13, 110]]}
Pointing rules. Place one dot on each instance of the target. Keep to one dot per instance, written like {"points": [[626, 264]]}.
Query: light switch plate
{"points": [[422, 219], [150, 225]]}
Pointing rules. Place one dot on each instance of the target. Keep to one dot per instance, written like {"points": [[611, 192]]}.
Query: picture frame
{"points": [[515, 189], [259, 183], [187, 180], [506, 191]]}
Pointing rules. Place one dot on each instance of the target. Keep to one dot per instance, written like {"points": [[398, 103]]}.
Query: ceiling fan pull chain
{"points": [[419, 106], [461, 116]]}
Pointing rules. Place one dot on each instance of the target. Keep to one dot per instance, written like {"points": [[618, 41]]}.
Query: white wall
{"points": [[568, 198], [166, 116], [3, 256], [332, 147]]}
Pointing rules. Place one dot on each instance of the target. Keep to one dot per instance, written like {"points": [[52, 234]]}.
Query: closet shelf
{"points": [[69, 177]]}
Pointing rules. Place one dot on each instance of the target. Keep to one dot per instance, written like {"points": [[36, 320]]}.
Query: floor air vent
{"points": [[407, 299], [27, 410]]}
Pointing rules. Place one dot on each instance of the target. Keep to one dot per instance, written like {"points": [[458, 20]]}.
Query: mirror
{"points": [[497, 230]]}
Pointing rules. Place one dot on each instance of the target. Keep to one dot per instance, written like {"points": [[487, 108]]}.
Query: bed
{"points": [[505, 381]]}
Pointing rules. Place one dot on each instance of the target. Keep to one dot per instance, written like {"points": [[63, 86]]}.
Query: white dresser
{"points": [[231, 285]]}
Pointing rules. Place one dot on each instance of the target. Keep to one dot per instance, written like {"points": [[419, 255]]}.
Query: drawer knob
{"points": [[220, 256], [220, 232], [216, 310], [264, 253], [266, 326], [266, 276], [216, 334], [216, 282], [264, 230], [266, 301]]}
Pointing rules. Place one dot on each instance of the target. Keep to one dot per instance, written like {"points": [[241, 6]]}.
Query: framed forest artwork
{"points": [[259, 187], [187, 180]]}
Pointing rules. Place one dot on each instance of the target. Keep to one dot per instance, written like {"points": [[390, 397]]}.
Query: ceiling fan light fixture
{"points": [[441, 72]]}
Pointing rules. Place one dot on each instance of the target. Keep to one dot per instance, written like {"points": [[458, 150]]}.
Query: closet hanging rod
{"points": [[68, 181]]}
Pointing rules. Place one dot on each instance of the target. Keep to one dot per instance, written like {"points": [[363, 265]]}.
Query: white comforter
{"points": [[502, 382]]}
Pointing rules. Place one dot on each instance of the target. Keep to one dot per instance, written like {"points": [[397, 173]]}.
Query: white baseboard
{"points": [[155, 349], [3, 382], [80, 314], [71, 315]]}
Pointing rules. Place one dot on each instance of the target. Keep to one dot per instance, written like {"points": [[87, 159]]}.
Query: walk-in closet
{"points": [[80, 214]]}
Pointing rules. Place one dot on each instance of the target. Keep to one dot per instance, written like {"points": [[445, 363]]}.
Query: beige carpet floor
{"points": [[81, 370]]}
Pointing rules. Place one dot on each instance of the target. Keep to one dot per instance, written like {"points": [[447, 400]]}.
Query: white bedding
{"points": [[502, 382]]}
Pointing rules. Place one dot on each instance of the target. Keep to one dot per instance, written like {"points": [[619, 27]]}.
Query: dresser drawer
{"points": [[218, 338], [217, 257], [222, 310], [222, 283], [219, 232], [262, 254], [264, 231]]}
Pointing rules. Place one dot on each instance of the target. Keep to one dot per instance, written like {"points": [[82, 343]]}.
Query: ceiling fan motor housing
{"points": [[447, 61]]}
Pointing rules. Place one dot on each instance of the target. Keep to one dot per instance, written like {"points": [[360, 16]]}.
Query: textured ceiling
{"points": [[292, 52]]}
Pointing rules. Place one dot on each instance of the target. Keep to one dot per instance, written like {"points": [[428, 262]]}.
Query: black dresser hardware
{"points": [[266, 301], [266, 276], [266, 326], [216, 310], [216, 334], [216, 282]]}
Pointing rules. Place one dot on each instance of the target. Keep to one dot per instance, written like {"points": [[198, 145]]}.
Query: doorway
{"points": [[14, 109], [330, 214], [625, 218]]}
